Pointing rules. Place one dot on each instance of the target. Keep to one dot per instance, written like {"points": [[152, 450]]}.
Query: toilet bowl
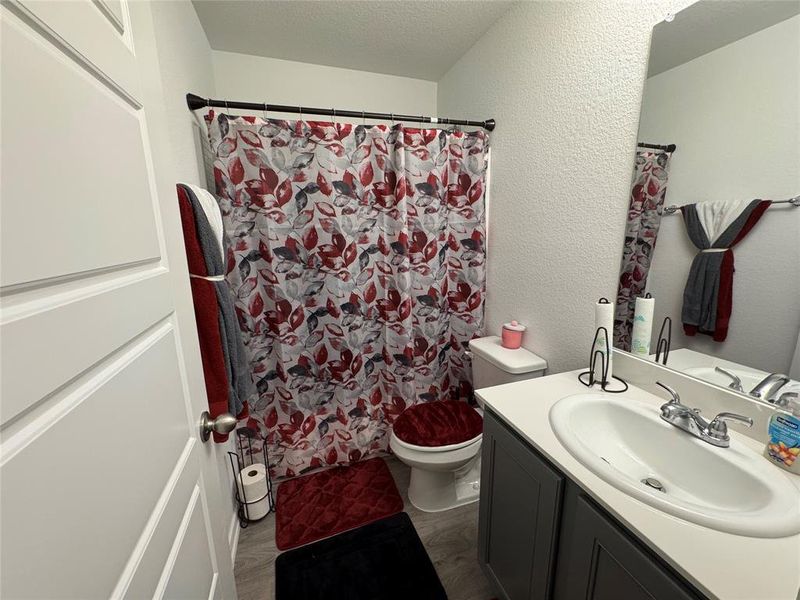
{"points": [[445, 471], [441, 440]]}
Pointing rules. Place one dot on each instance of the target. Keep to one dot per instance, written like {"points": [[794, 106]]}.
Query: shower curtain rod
{"points": [[194, 102], [793, 201], [668, 148]]}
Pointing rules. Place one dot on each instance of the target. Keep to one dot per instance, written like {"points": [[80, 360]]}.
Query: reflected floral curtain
{"points": [[648, 191], [358, 267]]}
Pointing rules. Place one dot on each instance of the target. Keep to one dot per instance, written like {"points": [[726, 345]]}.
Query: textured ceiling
{"points": [[711, 24], [421, 39]]}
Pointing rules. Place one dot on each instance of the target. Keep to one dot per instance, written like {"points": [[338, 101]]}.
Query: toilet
{"points": [[441, 441]]}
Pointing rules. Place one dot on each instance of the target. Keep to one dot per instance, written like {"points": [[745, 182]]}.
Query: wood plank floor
{"points": [[450, 537]]}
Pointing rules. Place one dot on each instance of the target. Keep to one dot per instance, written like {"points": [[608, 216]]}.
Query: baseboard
{"points": [[233, 537]]}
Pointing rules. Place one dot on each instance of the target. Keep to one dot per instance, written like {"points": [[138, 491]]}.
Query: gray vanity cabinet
{"points": [[519, 510], [598, 560], [541, 537]]}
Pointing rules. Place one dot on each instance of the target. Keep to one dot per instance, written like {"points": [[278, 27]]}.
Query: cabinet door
{"points": [[519, 514], [598, 561]]}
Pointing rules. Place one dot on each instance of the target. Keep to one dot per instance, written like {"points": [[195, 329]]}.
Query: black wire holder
{"points": [[587, 378], [244, 437], [664, 343]]}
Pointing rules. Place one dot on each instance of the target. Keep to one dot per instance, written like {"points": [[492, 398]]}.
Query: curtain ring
{"points": [[227, 108], [333, 110], [363, 119], [266, 112], [392, 116]]}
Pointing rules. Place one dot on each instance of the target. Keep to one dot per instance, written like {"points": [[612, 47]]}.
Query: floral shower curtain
{"points": [[358, 267], [648, 190]]}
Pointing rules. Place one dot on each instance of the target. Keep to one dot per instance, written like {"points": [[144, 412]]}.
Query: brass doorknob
{"points": [[224, 423]]}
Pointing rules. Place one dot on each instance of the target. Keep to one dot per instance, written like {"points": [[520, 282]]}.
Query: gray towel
{"points": [[240, 381]]}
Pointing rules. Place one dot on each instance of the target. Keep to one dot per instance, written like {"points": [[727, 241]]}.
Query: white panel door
{"points": [[107, 490]]}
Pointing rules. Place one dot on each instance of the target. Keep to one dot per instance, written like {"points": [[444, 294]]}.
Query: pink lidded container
{"points": [[512, 335]]}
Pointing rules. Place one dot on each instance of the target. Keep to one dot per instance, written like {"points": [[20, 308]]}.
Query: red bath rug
{"points": [[317, 506]]}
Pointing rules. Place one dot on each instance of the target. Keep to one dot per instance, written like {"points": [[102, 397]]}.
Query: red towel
{"points": [[725, 297], [206, 313]]}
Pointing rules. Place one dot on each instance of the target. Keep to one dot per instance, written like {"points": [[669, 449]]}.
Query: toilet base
{"points": [[435, 491]]}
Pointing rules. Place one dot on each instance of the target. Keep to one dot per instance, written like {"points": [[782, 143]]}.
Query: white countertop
{"points": [[721, 565]]}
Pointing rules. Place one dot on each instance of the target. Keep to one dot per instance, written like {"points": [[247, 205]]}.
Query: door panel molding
{"points": [[82, 32], [141, 575], [75, 200], [58, 338], [113, 12], [177, 573], [17, 435], [57, 289], [88, 449]]}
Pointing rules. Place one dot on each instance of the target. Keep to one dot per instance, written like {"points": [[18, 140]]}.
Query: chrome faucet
{"points": [[767, 387], [689, 420], [735, 384]]}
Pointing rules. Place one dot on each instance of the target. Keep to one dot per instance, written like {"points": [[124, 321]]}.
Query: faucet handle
{"points": [[736, 383], [718, 428], [786, 398], [676, 399]]}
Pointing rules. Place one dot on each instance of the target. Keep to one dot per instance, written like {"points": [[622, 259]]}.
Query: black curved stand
{"points": [[588, 378]]}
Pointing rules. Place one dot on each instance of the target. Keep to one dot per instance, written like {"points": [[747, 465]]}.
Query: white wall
{"points": [[185, 61], [185, 58], [734, 114], [258, 79], [564, 81]]}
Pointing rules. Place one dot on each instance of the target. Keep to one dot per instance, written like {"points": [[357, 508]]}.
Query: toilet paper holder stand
{"points": [[588, 378], [238, 462]]}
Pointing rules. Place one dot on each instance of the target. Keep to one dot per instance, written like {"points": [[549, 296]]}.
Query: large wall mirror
{"points": [[713, 231]]}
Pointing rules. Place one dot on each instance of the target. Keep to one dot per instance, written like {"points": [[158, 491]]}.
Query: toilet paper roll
{"points": [[257, 510], [642, 326], [252, 486], [603, 317]]}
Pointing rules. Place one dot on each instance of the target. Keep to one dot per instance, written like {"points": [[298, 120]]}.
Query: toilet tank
{"points": [[494, 365]]}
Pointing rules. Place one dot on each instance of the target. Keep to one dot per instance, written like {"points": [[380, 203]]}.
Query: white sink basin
{"points": [[624, 441]]}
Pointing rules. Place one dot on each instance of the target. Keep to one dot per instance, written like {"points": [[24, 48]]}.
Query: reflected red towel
{"points": [[206, 314]]}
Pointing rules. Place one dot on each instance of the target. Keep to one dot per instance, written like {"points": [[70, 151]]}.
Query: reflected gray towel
{"points": [[240, 381]]}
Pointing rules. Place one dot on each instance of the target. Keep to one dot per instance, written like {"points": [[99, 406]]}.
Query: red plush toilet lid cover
{"points": [[438, 423]]}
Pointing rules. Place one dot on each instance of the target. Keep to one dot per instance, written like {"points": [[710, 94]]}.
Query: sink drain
{"points": [[653, 483]]}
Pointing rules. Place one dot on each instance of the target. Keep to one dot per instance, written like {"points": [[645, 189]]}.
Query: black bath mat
{"points": [[384, 560]]}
